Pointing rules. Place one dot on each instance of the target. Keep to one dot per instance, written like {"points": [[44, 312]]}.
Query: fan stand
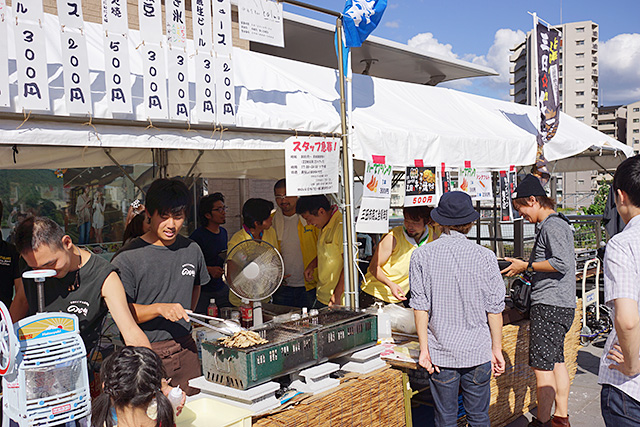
{"points": [[39, 276], [257, 313]]}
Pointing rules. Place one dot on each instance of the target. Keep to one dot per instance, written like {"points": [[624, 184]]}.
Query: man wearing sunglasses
{"points": [[212, 239]]}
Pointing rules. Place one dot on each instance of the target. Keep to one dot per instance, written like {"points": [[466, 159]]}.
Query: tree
{"points": [[600, 200]]}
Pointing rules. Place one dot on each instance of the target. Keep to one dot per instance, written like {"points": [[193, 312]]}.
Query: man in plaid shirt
{"points": [[620, 363], [458, 298]]}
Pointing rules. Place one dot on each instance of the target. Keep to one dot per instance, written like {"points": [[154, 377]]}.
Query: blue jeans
{"points": [[291, 296], [476, 394], [84, 233], [618, 408]]}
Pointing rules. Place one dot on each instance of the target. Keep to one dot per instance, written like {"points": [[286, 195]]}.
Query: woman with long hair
{"points": [[132, 380]]}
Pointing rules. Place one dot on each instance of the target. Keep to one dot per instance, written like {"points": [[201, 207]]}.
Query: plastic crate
{"points": [[346, 336]]}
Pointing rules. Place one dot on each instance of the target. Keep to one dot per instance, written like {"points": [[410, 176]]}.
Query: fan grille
{"points": [[254, 269]]}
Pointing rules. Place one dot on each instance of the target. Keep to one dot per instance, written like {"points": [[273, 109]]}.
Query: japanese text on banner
{"points": [[261, 21], [311, 165], [222, 26], [179, 108], [202, 36], [205, 96], [115, 16], [225, 91], [117, 73], [373, 216], [176, 23], [484, 186], [155, 81], [5, 99], [421, 186], [377, 180], [150, 16]]}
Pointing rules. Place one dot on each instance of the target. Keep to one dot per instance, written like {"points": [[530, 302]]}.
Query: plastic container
{"points": [[212, 310], [384, 325], [246, 314], [175, 397]]}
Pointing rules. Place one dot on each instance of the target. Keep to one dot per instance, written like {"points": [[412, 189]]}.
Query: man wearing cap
{"points": [[553, 298], [457, 295]]}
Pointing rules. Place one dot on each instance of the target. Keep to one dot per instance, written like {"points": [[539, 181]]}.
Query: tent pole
{"points": [[350, 282], [107, 151]]}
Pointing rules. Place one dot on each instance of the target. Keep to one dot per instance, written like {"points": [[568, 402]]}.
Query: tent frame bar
{"points": [[107, 151]]}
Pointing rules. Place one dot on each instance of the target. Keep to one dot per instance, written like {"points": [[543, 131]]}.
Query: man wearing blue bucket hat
{"points": [[458, 299]]}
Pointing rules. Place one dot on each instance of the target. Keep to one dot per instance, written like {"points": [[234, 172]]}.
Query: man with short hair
{"points": [[212, 239], [9, 271], [457, 295], [297, 241], [388, 276], [162, 272], [318, 211], [620, 362], [85, 284], [256, 224]]}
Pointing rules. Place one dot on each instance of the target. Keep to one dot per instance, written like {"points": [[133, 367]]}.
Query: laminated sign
{"points": [[421, 186], [261, 21], [373, 216], [377, 180], [312, 165]]}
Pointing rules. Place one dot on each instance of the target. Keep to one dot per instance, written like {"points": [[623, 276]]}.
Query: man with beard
{"points": [[388, 276]]}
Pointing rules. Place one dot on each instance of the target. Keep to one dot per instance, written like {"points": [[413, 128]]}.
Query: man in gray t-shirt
{"points": [[162, 272]]}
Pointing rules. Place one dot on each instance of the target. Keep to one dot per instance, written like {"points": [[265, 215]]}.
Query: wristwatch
{"points": [[530, 268]]}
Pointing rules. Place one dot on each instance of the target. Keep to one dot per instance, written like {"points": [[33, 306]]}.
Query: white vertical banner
{"points": [[202, 35], [176, 28], [150, 18], [225, 90], [115, 17], [5, 100], [117, 73], [155, 81], [176, 23], [75, 64], [75, 61], [204, 87], [222, 26], [178, 84], [33, 87]]}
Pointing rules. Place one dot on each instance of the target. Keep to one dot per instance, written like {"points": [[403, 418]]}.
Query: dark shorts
{"points": [[549, 325], [180, 360]]}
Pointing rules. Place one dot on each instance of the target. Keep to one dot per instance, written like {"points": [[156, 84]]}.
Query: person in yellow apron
{"points": [[257, 218], [318, 211], [388, 276]]}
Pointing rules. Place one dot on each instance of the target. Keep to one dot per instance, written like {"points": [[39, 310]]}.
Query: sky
{"points": [[482, 32]]}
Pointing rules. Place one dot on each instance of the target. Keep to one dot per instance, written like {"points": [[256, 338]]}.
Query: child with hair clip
{"points": [[133, 383]]}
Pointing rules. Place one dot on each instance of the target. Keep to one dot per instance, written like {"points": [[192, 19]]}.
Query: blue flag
{"points": [[360, 18]]}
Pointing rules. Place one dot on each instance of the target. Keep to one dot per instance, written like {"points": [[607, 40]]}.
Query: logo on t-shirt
{"points": [[79, 308], [5, 261], [188, 270]]}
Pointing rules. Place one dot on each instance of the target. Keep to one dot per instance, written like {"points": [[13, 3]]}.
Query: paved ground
{"points": [[584, 398]]}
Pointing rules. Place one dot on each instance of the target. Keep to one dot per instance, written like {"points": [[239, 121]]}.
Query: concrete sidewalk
{"points": [[584, 397]]}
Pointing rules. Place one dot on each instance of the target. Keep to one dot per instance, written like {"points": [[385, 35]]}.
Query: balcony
{"points": [[594, 46], [594, 59], [594, 72], [595, 34]]}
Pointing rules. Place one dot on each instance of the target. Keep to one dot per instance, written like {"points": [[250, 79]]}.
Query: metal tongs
{"points": [[230, 327]]}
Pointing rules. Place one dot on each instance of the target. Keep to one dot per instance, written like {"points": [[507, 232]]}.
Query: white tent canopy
{"points": [[401, 121]]}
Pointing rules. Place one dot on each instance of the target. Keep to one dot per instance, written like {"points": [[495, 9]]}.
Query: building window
{"points": [[580, 93], [580, 55], [581, 182], [580, 30], [636, 120], [579, 42], [580, 118], [636, 110], [578, 106], [636, 131], [579, 67], [579, 80]]}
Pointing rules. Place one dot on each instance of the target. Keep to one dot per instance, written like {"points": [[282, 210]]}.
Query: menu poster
{"points": [[261, 21], [513, 183], [421, 186], [505, 197], [484, 186], [467, 181], [377, 180], [373, 216], [312, 165]]}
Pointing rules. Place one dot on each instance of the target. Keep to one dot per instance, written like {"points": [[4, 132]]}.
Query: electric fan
{"points": [[253, 270], [43, 363]]}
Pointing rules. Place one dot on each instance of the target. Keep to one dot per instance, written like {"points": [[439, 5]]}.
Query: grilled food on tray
{"points": [[242, 339]]}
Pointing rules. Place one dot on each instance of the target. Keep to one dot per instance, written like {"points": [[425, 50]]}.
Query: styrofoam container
{"points": [[202, 411]]}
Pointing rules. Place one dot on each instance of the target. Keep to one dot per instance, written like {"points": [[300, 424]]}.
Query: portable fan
{"points": [[43, 363], [253, 270]]}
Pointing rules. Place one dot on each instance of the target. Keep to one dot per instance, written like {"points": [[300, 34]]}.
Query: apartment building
{"points": [[612, 121], [578, 96], [633, 126]]}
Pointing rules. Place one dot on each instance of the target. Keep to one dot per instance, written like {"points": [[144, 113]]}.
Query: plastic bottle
{"points": [[246, 314], [212, 310], [175, 397], [384, 325]]}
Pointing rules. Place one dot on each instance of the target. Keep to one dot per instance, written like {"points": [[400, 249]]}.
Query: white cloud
{"points": [[425, 42], [392, 24], [619, 70]]}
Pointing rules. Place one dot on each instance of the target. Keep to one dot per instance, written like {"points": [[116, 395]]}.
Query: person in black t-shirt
{"points": [[212, 239], [9, 272], [85, 285]]}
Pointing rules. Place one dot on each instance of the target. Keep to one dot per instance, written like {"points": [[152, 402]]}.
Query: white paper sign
{"points": [[179, 108], [202, 35], [467, 181], [75, 66], [205, 97], [422, 186], [222, 26], [70, 13], [150, 17], [118, 80], [155, 81], [225, 91], [115, 17], [5, 100], [377, 180], [31, 57], [261, 21], [176, 23], [484, 186], [312, 165], [373, 216], [28, 10]]}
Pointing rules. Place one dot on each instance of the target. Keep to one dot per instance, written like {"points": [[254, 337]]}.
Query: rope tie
{"points": [[26, 117]]}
